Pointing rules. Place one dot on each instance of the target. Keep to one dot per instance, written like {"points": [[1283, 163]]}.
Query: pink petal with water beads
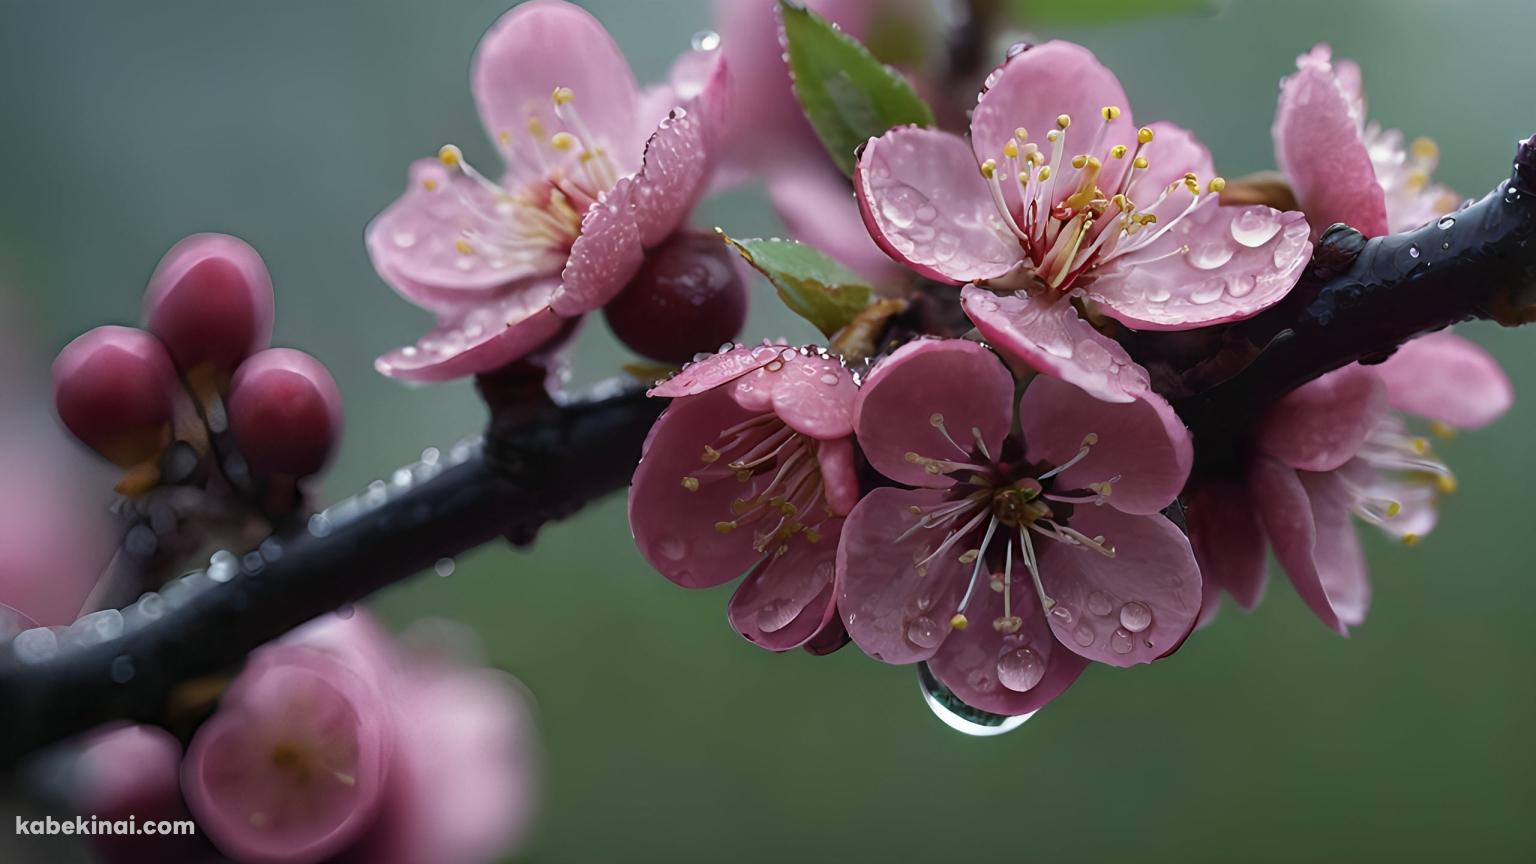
{"points": [[894, 611], [606, 254], [934, 398], [789, 598], [813, 200], [679, 158], [1048, 335], [1131, 607], [1140, 451], [710, 372], [418, 245], [1322, 424], [478, 337], [812, 393], [1307, 519], [927, 206], [1215, 264]]}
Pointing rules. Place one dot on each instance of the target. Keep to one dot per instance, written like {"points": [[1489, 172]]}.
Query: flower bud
{"points": [[285, 412], [210, 301], [115, 389], [132, 772], [689, 296]]}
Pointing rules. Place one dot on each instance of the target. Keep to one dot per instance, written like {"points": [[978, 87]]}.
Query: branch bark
{"points": [[1358, 301]]}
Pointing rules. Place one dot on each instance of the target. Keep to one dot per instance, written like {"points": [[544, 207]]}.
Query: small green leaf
{"points": [[1066, 13], [812, 285], [848, 95]]}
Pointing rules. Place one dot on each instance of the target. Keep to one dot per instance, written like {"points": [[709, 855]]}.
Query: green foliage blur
{"points": [[124, 126]]}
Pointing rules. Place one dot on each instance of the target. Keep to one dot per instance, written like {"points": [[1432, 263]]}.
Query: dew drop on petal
{"points": [[1135, 616], [672, 548], [1208, 291], [1020, 669], [1120, 641], [1255, 226], [444, 567], [775, 616], [1083, 635], [924, 632], [1099, 603], [1210, 255]]}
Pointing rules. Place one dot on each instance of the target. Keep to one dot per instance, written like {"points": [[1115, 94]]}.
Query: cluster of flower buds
{"points": [[334, 744], [200, 372]]}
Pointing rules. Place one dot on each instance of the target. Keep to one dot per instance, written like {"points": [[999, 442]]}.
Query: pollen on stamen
{"points": [[1063, 121], [1445, 483], [959, 621], [1217, 184], [562, 96], [1110, 112], [1140, 163], [1144, 135], [912, 457], [989, 168], [1011, 149], [1118, 151], [970, 556], [1410, 540], [691, 484], [1440, 430], [562, 141], [1090, 439], [710, 454], [1022, 134], [463, 246], [450, 155], [1008, 624], [725, 527]]}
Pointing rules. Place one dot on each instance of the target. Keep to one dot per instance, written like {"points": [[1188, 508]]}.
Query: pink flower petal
{"points": [[414, 243], [1446, 378], [294, 763], [892, 611], [1173, 152], [1032, 89], [788, 599], [546, 44], [707, 374], [959, 381], [1006, 673], [817, 205], [1216, 264], [926, 205], [133, 772], [1417, 497], [839, 473], [1131, 608], [1321, 424], [1306, 517], [1319, 148], [604, 257], [812, 394], [680, 157], [478, 338], [1142, 443], [1228, 541], [1049, 336], [674, 527]]}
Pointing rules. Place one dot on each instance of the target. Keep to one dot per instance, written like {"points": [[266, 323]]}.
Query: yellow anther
{"points": [[1063, 121], [1090, 439], [1034, 157], [1045, 172], [1110, 112], [1410, 540], [535, 126], [1424, 148], [725, 527], [1011, 149], [1022, 134], [743, 475], [691, 484], [740, 506], [1118, 151], [463, 246], [1052, 135], [1418, 179], [450, 155], [1192, 183], [1421, 446], [1103, 489], [936, 420], [1140, 163], [562, 96], [1217, 184], [1144, 135], [811, 536], [1394, 508], [1440, 430], [710, 454], [505, 138], [989, 168], [562, 141], [1079, 161], [959, 621], [970, 556], [1446, 483], [429, 184]]}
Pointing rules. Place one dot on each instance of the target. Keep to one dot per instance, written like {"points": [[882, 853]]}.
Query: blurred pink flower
{"points": [[751, 468], [1337, 446], [331, 745], [1343, 169], [1061, 521], [1116, 217], [132, 772], [597, 171]]}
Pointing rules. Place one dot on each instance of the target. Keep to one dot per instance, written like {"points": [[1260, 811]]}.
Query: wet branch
{"points": [[540, 461]]}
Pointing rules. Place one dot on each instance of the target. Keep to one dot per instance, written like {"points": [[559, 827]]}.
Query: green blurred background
{"points": [[129, 125]]}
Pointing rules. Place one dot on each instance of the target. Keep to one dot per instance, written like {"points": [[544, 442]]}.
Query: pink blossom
{"points": [[596, 172], [132, 772], [1073, 204], [769, 135], [332, 745], [1337, 447], [751, 469], [1015, 558], [1343, 169]]}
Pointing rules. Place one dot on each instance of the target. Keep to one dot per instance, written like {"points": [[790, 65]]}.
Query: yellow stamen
{"points": [[1110, 112], [463, 246], [989, 168], [1411, 540], [562, 96], [450, 155], [562, 141], [1144, 135], [1063, 121], [1217, 184], [959, 621], [691, 484]]}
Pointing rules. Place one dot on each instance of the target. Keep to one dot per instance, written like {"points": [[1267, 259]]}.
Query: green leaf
{"points": [[1066, 13], [848, 95], [811, 284]]}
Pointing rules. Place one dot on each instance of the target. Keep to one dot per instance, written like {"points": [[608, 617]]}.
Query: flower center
{"points": [[780, 478], [541, 218], [1021, 499], [1415, 476], [1065, 221]]}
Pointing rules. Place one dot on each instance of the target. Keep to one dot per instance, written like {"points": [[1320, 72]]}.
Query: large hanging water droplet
{"points": [[1135, 616], [444, 567], [959, 716], [1253, 227], [705, 40]]}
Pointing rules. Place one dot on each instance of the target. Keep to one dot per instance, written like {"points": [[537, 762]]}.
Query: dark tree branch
{"points": [[1358, 301]]}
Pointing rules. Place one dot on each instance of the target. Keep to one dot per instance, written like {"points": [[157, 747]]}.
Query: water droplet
{"points": [[1120, 641], [924, 632], [222, 566], [1159, 294], [705, 40], [253, 563], [1413, 251], [1135, 616], [1063, 616], [1242, 284], [1209, 290], [1020, 669], [430, 456], [1099, 603], [405, 239], [98, 627], [672, 548], [37, 645], [959, 716], [1255, 226], [777, 615], [1210, 255], [122, 669], [1083, 635], [829, 379], [401, 477], [444, 567], [319, 525], [1446, 222], [151, 605]]}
